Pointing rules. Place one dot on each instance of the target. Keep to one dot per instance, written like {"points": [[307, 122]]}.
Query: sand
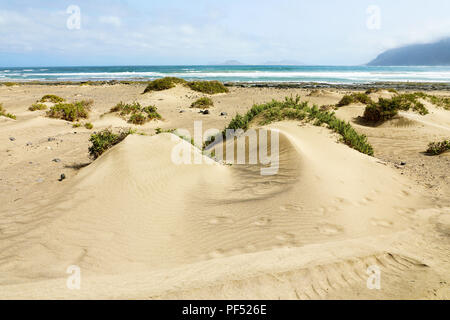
{"points": [[140, 226]]}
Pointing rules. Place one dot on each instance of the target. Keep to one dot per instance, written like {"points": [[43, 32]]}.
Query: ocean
{"points": [[323, 74]]}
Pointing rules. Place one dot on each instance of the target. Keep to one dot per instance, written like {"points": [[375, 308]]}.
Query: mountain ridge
{"points": [[429, 54]]}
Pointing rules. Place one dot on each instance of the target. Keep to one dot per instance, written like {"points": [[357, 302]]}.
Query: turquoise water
{"points": [[326, 74]]}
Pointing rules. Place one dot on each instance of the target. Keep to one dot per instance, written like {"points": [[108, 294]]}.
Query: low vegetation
{"points": [[386, 109], [135, 113], [159, 130], [443, 102], [103, 140], [71, 111], [293, 109], [10, 84], [202, 103], [138, 118], [37, 106], [126, 108], [314, 93], [163, 84], [354, 98], [3, 113], [437, 148], [372, 90], [88, 125], [51, 98], [208, 87]]}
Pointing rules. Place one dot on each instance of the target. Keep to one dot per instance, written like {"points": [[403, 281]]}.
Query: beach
{"points": [[140, 226]]}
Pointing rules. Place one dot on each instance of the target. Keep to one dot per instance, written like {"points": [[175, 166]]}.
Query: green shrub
{"points": [[76, 125], [345, 101], [126, 108], [10, 84], [381, 111], [296, 110], [5, 114], [70, 111], [372, 90], [163, 84], [88, 125], [51, 98], [102, 141], [138, 118], [443, 102], [151, 112], [202, 103], [37, 106], [137, 114], [159, 131], [436, 148], [353, 98], [386, 109], [362, 97], [208, 87], [409, 101]]}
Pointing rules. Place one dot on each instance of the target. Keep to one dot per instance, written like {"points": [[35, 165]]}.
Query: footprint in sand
{"points": [[221, 220], [329, 229], [216, 254], [320, 212], [341, 201], [262, 222], [291, 207], [405, 193], [381, 223], [364, 201], [286, 237]]}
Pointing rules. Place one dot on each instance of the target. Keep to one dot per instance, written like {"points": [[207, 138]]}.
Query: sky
{"points": [[181, 32]]}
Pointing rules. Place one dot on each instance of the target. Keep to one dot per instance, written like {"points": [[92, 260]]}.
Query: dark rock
{"points": [[56, 160], [205, 112], [223, 114], [403, 163], [12, 138], [51, 139], [29, 144], [182, 111], [63, 177]]}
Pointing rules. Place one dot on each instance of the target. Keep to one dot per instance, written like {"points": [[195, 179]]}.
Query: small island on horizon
{"points": [[424, 54]]}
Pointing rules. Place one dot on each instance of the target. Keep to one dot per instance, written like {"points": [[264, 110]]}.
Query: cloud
{"points": [[112, 20], [187, 30], [155, 33]]}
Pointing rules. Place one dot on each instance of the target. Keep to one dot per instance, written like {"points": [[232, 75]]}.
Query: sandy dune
{"points": [[140, 226]]}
